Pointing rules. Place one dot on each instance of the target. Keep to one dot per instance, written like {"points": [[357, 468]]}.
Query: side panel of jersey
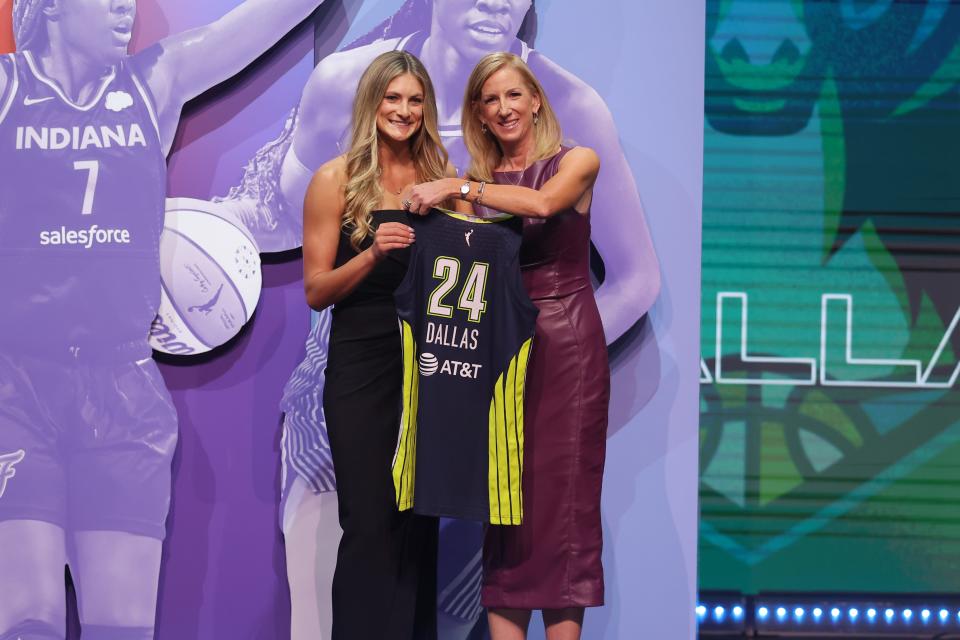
{"points": [[466, 326], [81, 210]]}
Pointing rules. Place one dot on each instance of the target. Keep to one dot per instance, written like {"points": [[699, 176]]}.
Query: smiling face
{"points": [[478, 27], [400, 113], [507, 105], [99, 29]]}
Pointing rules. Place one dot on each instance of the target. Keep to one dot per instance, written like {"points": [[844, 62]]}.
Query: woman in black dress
{"points": [[354, 255]]}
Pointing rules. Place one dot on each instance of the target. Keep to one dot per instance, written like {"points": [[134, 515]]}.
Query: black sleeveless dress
{"points": [[384, 585]]}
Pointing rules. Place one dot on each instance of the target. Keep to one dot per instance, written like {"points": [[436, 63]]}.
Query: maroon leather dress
{"points": [[552, 560]]}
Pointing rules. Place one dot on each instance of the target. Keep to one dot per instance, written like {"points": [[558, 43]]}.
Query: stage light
{"points": [[843, 614]]}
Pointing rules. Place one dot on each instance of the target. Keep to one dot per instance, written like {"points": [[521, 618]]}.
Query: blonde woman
{"points": [[355, 248], [551, 561]]}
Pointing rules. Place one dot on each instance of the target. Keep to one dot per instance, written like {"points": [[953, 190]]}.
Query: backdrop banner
{"points": [[829, 428], [242, 356]]}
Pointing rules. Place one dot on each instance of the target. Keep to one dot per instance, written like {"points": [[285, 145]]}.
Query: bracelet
{"points": [[480, 192]]}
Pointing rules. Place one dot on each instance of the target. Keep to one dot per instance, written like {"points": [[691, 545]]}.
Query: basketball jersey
{"points": [[466, 327], [81, 210]]}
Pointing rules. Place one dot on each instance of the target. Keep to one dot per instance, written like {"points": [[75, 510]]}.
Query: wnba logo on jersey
{"points": [[7, 462]]}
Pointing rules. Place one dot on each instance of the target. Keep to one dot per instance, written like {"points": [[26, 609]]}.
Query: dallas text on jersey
{"points": [[456, 338]]}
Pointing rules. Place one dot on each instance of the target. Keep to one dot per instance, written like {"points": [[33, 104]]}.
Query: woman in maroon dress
{"points": [[551, 561]]}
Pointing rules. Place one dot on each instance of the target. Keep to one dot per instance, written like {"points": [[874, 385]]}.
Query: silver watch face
{"points": [[464, 189]]}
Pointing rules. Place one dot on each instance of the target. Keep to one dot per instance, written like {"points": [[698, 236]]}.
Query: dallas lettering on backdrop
{"points": [[835, 364]]}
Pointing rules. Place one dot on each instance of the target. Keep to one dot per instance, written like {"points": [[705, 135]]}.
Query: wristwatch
{"points": [[465, 190]]}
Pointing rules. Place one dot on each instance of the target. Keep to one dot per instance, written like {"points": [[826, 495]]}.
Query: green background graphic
{"points": [[830, 404]]}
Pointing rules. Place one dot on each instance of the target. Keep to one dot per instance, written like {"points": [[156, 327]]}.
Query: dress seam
{"points": [[576, 462]]}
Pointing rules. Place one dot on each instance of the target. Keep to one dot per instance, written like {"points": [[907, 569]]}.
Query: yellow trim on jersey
{"points": [[498, 217], [405, 457], [505, 442]]}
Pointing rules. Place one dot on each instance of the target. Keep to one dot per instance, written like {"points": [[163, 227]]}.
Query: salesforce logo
{"points": [[428, 364], [85, 238]]}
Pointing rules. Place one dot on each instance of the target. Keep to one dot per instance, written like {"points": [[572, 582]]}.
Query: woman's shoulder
{"points": [[329, 180], [334, 170], [578, 155], [568, 154], [572, 161], [577, 152]]}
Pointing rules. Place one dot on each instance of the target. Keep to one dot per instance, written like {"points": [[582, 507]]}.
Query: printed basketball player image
{"points": [[87, 429], [450, 37]]}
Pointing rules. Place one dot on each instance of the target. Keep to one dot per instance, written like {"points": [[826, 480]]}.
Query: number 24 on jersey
{"points": [[471, 299]]}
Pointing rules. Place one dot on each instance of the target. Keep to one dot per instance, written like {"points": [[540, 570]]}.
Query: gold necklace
{"points": [[395, 192], [522, 172]]}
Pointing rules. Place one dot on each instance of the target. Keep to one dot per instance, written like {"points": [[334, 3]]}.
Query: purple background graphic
{"points": [[94, 414], [223, 572]]}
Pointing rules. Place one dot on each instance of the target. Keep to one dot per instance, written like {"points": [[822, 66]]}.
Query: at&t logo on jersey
{"points": [[7, 463], [429, 365]]}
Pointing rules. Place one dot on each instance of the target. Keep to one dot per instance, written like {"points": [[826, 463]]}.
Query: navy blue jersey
{"points": [[467, 327], [81, 209]]}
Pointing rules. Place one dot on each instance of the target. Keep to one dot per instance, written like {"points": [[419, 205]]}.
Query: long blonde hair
{"points": [[484, 148], [363, 191]]}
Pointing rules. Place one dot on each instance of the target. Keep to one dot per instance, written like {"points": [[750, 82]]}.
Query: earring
{"points": [[536, 118], [483, 128]]}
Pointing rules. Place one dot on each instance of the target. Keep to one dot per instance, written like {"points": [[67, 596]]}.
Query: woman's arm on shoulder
{"points": [[322, 215]]}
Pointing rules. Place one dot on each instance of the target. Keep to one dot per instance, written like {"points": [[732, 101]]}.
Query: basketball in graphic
{"points": [[210, 276]]}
